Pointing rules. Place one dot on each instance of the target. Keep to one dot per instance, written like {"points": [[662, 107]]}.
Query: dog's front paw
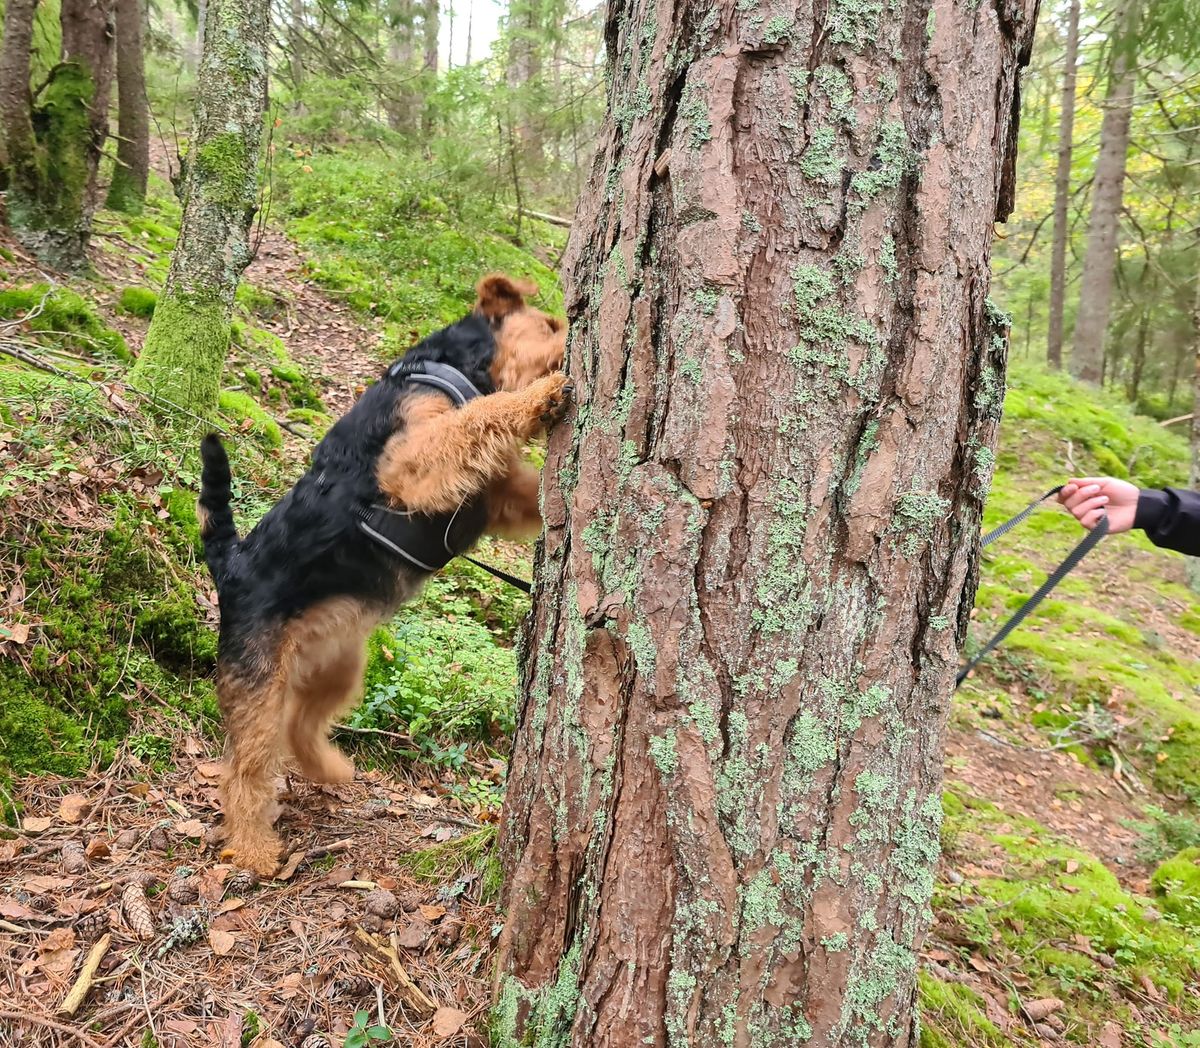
{"points": [[549, 399]]}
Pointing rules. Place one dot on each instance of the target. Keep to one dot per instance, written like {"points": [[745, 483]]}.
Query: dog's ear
{"points": [[500, 295]]}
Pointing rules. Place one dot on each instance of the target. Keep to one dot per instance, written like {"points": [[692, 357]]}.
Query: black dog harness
{"points": [[429, 541]]}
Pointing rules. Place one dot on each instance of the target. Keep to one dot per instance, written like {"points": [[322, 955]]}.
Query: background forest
{"points": [[410, 147]]}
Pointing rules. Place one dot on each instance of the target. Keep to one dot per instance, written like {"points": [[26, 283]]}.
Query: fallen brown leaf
{"points": [[221, 942], [37, 823], [432, 913], [193, 828], [73, 807], [448, 1021], [97, 848]]}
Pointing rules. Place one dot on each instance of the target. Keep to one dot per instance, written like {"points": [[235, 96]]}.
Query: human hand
{"points": [[1091, 498]]}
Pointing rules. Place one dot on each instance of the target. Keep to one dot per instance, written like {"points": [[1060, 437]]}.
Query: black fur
{"points": [[309, 547]]}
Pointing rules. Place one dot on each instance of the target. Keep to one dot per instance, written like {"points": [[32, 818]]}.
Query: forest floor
{"points": [[1060, 806]]}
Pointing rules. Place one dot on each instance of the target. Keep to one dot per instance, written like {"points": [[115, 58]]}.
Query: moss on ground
{"points": [[1041, 906], [61, 318], [1176, 885], [137, 302]]}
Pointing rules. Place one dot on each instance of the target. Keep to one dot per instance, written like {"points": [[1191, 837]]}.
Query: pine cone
{"points": [[446, 935], [73, 858], [352, 987], [158, 840], [93, 925], [182, 890], [137, 911], [240, 883], [315, 1040]]}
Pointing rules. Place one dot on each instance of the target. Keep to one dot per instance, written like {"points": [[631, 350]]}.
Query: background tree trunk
{"points": [[1108, 189], [401, 108], [296, 52], [1062, 192], [431, 28], [524, 66], [17, 146], [1192, 564], [127, 191], [185, 346], [724, 803], [54, 144]]}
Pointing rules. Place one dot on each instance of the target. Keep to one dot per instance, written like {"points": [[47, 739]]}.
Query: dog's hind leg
{"points": [[326, 669], [253, 714], [433, 466]]}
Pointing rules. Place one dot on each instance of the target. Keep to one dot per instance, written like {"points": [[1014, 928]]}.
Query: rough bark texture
{"points": [[1062, 192], [127, 191], [1108, 190], [189, 335], [724, 806], [54, 144]]}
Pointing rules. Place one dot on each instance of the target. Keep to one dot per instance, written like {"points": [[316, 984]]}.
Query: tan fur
{"points": [[440, 457]]}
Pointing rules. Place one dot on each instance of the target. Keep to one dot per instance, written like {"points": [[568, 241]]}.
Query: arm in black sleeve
{"points": [[1171, 519]]}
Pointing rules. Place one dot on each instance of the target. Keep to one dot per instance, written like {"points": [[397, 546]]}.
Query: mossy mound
{"points": [[138, 302], [59, 317], [1176, 885]]}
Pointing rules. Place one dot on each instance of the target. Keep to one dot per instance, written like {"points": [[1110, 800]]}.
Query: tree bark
{"points": [[189, 335], [1108, 189], [1062, 192], [296, 52], [759, 561], [127, 191], [1139, 357]]}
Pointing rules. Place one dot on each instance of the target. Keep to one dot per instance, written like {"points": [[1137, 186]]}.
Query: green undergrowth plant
{"points": [[472, 855]]}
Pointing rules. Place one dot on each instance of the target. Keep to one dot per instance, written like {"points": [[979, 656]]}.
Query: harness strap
{"points": [[503, 576], [1070, 562]]}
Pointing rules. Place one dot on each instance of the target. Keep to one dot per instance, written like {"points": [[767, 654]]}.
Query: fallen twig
{"points": [[413, 995], [50, 1024], [79, 991]]}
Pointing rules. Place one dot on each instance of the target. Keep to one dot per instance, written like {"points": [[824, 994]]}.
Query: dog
{"points": [[425, 463]]}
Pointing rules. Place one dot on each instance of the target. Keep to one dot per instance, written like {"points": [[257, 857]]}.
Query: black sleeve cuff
{"points": [[1151, 508]]}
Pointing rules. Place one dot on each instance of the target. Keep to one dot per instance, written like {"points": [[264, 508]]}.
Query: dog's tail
{"points": [[216, 517]]}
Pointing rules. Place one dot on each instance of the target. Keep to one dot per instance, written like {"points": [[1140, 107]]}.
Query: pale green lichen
{"points": [[821, 161], [693, 110], [887, 259], [854, 22], [664, 754], [916, 515]]}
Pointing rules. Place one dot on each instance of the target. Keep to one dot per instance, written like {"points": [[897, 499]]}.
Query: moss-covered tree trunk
{"points": [[189, 335], [724, 804], [1108, 191], [127, 191], [54, 141]]}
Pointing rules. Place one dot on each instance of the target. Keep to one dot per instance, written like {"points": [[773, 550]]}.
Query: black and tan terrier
{"points": [[425, 463]]}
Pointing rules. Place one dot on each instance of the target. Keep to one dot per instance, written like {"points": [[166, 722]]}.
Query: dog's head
{"points": [[529, 343]]}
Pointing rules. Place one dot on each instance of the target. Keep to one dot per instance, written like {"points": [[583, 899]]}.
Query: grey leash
{"points": [[1086, 545]]}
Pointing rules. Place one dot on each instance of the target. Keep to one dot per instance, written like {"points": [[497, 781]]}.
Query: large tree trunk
{"points": [[1108, 190], [724, 804], [296, 52], [1062, 192], [54, 143], [127, 191], [186, 344]]}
